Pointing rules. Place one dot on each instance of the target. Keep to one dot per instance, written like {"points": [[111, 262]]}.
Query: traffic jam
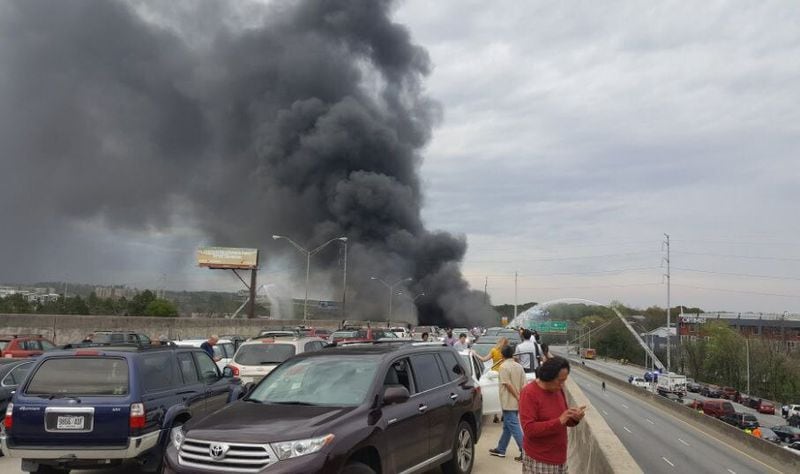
{"points": [[292, 399]]}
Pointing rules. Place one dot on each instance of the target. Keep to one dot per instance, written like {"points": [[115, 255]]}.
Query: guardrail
{"points": [[766, 452]]}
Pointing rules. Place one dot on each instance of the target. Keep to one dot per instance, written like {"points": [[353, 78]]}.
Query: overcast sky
{"points": [[576, 133], [573, 136]]}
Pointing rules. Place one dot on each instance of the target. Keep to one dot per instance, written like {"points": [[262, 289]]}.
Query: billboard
{"points": [[227, 258]]}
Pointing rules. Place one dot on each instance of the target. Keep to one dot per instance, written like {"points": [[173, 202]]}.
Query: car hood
{"points": [[248, 422]]}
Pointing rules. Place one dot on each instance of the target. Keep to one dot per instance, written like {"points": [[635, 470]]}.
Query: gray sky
{"points": [[588, 129], [573, 135]]}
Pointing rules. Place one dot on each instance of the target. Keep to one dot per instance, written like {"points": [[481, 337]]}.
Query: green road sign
{"points": [[550, 327]]}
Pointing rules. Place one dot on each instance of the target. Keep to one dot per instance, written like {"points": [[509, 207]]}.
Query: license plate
{"points": [[70, 422]]}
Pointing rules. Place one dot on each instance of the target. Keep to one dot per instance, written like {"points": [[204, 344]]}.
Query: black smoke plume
{"points": [[246, 120]]}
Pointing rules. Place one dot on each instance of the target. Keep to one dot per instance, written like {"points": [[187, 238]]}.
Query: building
{"points": [[783, 327]]}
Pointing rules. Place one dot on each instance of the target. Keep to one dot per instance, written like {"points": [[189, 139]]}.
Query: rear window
{"points": [[3, 345], [80, 376], [258, 354]]}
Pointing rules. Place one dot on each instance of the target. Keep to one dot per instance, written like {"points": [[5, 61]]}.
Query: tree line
{"points": [[143, 303]]}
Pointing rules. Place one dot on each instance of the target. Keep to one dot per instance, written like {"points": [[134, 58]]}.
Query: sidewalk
{"points": [[484, 462]]}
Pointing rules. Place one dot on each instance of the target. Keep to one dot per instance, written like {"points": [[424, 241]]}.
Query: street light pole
{"points": [[308, 254], [747, 347], [391, 290], [344, 282]]}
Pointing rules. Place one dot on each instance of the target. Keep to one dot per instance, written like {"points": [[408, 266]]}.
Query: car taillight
{"points": [[235, 370], [8, 422], [137, 416]]}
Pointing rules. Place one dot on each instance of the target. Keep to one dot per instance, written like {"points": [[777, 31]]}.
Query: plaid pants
{"points": [[532, 466]]}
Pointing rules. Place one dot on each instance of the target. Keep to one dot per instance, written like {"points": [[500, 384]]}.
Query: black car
{"points": [[693, 387], [12, 373], [711, 391], [380, 407], [743, 421], [787, 434], [102, 406]]}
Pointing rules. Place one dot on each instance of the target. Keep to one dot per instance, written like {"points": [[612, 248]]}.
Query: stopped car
{"points": [[383, 407], [482, 348], [223, 349], [762, 406], [741, 420], [257, 358], [12, 373], [92, 408], [24, 345], [769, 435], [400, 332], [118, 337], [417, 332], [711, 391], [489, 382], [321, 333], [787, 434], [693, 386], [639, 382], [361, 335], [492, 331], [729, 393], [718, 408]]}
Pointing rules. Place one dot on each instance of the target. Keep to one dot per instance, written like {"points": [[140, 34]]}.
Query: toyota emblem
{"points": [[218, 451]]}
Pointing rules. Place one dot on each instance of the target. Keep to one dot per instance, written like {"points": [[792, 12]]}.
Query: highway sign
{"points": [[549, 327]]}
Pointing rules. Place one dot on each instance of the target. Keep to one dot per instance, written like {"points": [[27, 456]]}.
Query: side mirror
{"points": [[395, 394], [227, 373]]}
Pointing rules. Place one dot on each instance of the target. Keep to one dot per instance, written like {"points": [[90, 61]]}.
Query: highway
{"points": [[623, 371], [659, 442]]}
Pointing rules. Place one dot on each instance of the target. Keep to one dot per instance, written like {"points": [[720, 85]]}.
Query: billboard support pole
{"points": [[251, 306]]}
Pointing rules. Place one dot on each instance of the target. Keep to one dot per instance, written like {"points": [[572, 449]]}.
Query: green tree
{"points": [[137, 306], [161, 307], [15, 303]]}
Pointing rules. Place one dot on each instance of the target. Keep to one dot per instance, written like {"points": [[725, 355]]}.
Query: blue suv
{"points": [[102, 406]]}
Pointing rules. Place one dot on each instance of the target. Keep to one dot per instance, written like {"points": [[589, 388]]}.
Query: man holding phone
{"points": [[545, 416]]}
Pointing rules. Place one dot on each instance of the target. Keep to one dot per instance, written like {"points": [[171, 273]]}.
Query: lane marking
{"points": [[732, 472], [670, 416], [624, 406], [667, 461], [626, 429], [683, 442], [604, 412], [650, 421]]}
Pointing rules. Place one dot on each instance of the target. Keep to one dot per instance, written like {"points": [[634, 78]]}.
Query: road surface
{"points": [[660, 443]]}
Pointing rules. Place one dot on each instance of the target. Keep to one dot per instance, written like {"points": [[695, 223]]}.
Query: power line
{"points": [[590, 287], [736, 291], [745, 275], [536, 275], [753, 257], [731, 242], [574, 257]]}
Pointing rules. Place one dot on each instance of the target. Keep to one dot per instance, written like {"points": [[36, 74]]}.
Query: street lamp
{"points": [[391, 290], [415, 298], [308, 254]]}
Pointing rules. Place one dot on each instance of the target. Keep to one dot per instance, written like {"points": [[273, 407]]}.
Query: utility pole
{"points": [[486, 290], [344, 282], [516, 277], [669, 327], [747, 347]]}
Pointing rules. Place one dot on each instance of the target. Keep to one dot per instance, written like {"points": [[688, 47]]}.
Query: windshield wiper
{"points": [[295, 403]]}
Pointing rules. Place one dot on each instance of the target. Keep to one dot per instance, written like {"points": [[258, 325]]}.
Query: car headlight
{"points": [[292, 449], [177, 436]]}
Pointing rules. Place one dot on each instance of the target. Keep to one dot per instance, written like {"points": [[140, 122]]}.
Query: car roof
{"points": [[186, 342], [281, 340], [376, 348]]}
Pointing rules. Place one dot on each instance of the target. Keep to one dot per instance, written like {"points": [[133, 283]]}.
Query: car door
{"points": [[490, 389], [10, 382], [193, 392], [430, 399], [453, 397], [217, 388], [406, 427], [161, 385]]}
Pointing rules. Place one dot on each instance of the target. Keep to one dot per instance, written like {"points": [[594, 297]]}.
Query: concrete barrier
{"points": [[766, 452], [593, 447], [70, 328]]}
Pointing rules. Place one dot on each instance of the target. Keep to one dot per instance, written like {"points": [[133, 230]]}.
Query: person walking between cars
{"points": [[545, 416], [449, 339], [208, 346], [512, 380], [528, 351], [461, 344]]}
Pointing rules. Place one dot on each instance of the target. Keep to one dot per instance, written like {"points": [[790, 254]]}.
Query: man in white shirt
{"points": [[528, 352], [461, 344]]}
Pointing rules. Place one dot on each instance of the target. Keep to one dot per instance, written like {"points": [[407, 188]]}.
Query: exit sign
{"points": [[551, 327]]}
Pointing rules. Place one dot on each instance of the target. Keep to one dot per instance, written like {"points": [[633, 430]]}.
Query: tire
{"points": [[463, 451], [357, 468]]}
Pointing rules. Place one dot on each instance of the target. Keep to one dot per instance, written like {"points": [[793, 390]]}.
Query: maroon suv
{"points": [[383, 407]]}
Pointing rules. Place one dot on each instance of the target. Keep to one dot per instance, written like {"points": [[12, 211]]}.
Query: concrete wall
{"points": [[774, 456], [593, 447], [70, 328]]}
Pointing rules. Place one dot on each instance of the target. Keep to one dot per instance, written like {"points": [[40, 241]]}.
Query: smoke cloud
{"points": [[303, 119]]}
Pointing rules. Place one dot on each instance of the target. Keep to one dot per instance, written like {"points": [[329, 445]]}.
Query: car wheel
{"points": [[463, 451], [357, 468]]}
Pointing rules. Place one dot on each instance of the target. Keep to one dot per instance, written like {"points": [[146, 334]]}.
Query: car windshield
{"points": [[326, 381], [380, 334], [3, 345], [80, 376], [347, 335], [482, 349], [258, 354]]}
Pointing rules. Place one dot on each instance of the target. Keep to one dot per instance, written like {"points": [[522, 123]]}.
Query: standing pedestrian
{"points": [[449, 339], [512, 380], [208, 346], [528, 352], [604, 385], [461, 344], [545, 416], [495, 354], [425, 337]]}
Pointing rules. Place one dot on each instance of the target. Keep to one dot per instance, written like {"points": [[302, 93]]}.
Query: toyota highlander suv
{"points": [[384, 407]]}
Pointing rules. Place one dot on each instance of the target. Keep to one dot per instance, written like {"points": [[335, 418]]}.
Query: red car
{"points": [[767, 408], [24, 345]]}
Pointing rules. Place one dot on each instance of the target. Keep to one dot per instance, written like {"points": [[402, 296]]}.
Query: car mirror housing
{"points": [[395, 394], [227, 372]]}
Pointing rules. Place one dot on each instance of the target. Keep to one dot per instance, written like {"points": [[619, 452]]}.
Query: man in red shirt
{"points": [[545, 416]]}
